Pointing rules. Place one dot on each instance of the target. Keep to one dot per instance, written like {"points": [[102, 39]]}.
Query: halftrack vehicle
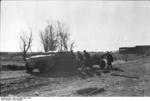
{"points": [[60, 61]]}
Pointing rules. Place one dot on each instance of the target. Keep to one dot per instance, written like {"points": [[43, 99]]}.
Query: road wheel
{"points": [[102, 64]]}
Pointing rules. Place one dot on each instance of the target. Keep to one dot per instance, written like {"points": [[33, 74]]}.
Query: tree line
{"points": [[55, 37]]}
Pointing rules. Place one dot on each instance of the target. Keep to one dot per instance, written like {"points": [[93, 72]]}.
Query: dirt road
{"points": [[134, 81]]}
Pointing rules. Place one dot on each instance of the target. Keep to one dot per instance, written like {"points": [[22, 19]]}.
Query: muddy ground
{"points": [[133, 80]]}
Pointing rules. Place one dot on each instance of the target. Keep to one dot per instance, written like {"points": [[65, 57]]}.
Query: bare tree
{"points": [[72, 46], [49, 38], [25, 44], [56, 37], [63, 37]]}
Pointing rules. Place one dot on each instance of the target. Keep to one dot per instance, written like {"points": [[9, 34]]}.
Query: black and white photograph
{"points": [[74, 48]]}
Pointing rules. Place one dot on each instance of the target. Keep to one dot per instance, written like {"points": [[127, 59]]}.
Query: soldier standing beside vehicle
{"points": [[87, 59], [80, 60], [109, 58]]}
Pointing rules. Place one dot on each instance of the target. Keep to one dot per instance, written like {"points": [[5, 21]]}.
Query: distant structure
{"points": [[139, 50]]}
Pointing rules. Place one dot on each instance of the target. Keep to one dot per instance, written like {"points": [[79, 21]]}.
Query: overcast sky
{"points": [[94, 25]]}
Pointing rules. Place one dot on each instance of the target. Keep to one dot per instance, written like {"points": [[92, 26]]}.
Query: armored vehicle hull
{"points": [[52, 62]]}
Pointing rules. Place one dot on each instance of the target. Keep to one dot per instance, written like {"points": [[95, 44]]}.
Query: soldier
{"points": [[87, 59], [80, 60], [109, 58]]}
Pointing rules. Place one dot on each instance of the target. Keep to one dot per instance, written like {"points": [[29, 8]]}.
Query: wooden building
{"points": [[139, 50]]}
